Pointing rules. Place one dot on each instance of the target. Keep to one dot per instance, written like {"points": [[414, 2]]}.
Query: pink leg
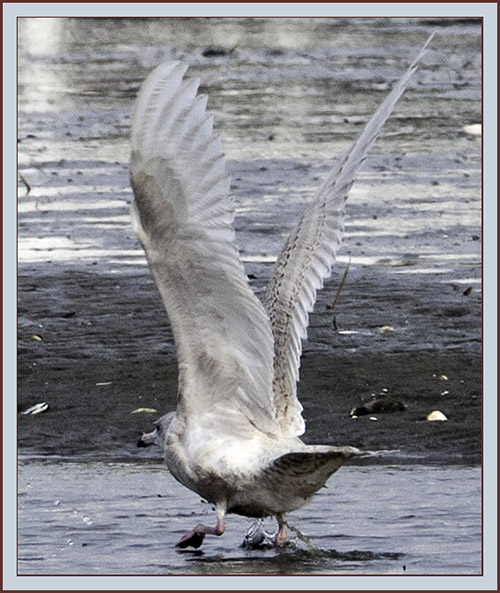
{"points": [[195, 537], [281, 536]]}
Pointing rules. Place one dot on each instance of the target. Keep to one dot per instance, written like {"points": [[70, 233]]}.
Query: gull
{"points": [[234, 438]]}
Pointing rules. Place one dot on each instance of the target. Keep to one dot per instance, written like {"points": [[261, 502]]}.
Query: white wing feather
{"points": [[183, 216], [307, 259]]}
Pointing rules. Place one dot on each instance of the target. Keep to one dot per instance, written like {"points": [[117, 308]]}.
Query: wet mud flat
{"points": [[98, 363], [93, 339]]}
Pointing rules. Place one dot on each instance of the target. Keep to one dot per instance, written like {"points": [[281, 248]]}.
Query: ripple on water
{"points": [[371, 520]]}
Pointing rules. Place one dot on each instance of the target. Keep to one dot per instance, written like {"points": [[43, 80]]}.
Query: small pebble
{"points": [[436, 415], [378, 406], [473, 129]]}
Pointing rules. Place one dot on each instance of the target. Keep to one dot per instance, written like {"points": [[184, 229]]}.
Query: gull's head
{"points": [[157, 436]]}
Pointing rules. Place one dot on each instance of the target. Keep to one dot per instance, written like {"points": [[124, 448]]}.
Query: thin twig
{"points": [[26, 184], [341, 285]]}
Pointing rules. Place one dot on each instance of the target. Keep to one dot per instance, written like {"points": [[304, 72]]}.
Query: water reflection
{"points": [[42, 36]]}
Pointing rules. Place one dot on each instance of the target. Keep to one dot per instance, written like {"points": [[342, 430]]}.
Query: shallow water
{"points": [[96, 518]]}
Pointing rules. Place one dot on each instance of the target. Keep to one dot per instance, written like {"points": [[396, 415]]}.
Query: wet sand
{"points": [[94, 341]]}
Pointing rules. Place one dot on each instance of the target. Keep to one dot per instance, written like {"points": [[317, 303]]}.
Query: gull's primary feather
{"points": [[183, 215], [307, 259]]}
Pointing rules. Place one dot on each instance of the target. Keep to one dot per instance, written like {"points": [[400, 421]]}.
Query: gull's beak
{"points": [[147, 439], [157, 436]]}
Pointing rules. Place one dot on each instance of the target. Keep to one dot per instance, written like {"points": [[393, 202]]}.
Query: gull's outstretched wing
{"points": [[307, 259], [183, 216]]}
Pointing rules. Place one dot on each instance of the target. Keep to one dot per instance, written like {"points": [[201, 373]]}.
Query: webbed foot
{"points": [[195, 538]]}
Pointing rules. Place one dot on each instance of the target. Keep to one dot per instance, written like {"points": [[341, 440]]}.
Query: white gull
{"points": [[235, 436]]}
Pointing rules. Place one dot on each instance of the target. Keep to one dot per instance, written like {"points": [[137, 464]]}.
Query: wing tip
{"points": [[422, 52]]}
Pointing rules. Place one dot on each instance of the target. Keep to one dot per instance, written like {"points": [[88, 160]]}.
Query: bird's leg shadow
{"points": [[311, 547]]}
